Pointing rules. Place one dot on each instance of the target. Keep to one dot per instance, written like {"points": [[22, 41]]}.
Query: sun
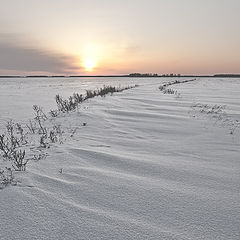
{"points": [[89, 64]]}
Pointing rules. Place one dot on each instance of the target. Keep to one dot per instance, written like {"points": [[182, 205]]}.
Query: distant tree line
{"points": [[153, 75], [227, 75]]}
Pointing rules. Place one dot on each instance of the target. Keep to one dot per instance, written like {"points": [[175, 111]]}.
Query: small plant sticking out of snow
{"points": [[43, 142], [10, 145], [20, 131], [162, 88], [18, 161], [32, 126], [52, 136], [38, 157], [5, 146], [53, 113], [6, 177], [55, 135], [169, 91], [40, 116], [9, 141], [234, 125], [73, 131]]}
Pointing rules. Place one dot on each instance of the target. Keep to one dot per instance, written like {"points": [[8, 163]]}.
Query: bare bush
{"points": [[10, 145], [20, 131], [4, 146], [18, 160], [65, 105], [162, 88], [6, 177], [38, 157], [40, 116], [54, 113], [9, 141], [55, 135], [78, 97], [43, 142], [32, 126], [169, 91]]}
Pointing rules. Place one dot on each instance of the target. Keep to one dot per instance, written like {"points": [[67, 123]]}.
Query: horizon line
{"points": [[132, 75]]}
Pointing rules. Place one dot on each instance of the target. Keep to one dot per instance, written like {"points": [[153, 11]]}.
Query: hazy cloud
{"points": [[23, 59]]}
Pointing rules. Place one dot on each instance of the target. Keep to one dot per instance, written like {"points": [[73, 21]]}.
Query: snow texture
{"points": [[146, 165]]}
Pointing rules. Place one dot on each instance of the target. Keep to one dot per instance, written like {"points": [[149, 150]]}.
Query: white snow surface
{"points": [[146, 165]]}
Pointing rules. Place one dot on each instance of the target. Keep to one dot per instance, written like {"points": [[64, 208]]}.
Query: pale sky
{"points": [[119, 36]]}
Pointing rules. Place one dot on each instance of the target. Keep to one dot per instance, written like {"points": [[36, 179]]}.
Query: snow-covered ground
{"points": [[147, 165]]}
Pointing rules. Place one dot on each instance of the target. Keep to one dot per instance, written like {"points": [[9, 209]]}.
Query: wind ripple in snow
{"points": [[142, 168]]}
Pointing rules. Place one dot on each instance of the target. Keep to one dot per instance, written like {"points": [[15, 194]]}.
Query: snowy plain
{"points": [[147, 165]]}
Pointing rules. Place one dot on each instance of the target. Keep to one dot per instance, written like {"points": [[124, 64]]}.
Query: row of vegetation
{"points": [[70, 104], [165, 87], [20, 144], [217, 113]]}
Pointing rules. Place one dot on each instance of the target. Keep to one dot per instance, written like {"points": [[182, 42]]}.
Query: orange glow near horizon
{"points": [[89, 64], [93, 37], [90, 56]]}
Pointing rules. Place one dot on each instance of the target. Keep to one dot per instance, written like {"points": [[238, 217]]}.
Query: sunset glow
{"points": [[117, 37], [89, 64]]}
